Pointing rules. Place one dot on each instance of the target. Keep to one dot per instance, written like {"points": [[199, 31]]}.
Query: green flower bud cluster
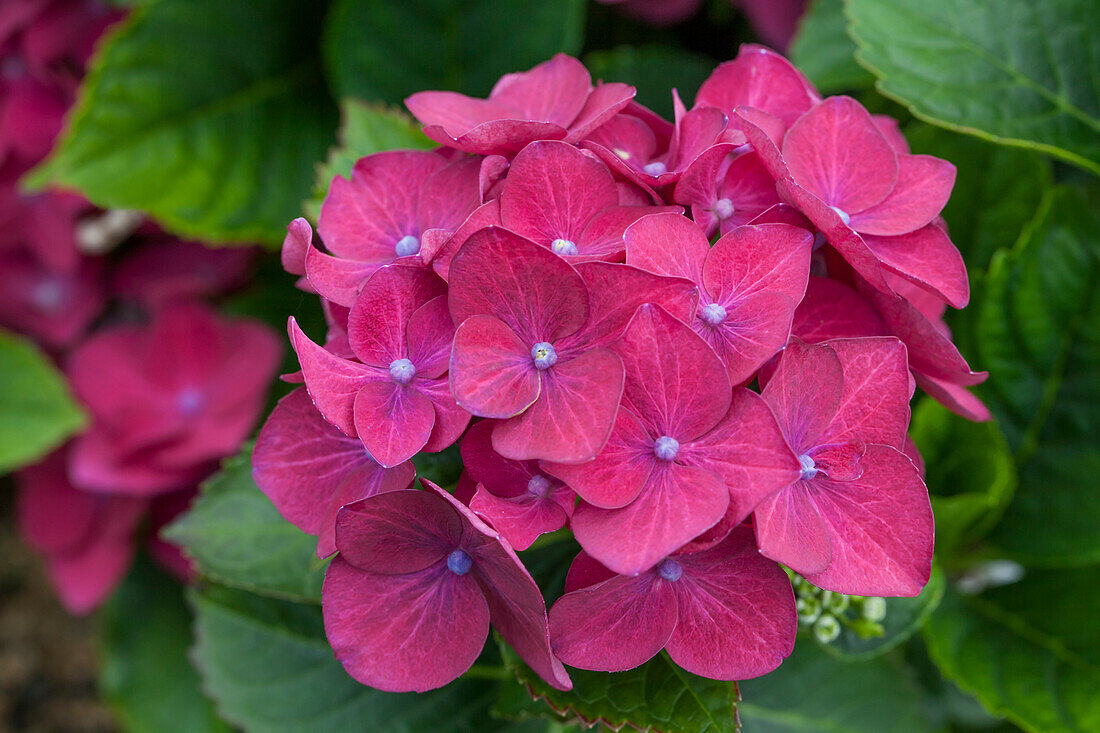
{"points": [[827, 613]]}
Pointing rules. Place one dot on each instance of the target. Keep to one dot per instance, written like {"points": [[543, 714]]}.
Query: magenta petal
{"points": [[572, 418], [555, 90], [491, 371], [677, 504], [791, 530], [749, 187], [615, 625], [602, 238], [619, 472], [393, 421], [377, 322], [85, 579], [804, 392], [754, 330], [299, 239], [309, 469], [450, 419], [764, 133], [496, 137], [923, 187], [438, 248], [758, 78], [836, 152], [757, 258], [450, 195], [603, 103], [430, 333], [955, 398], [928, 259], [397, 532], [667, 244], [528, 287], [501, 476], [585, 571], [456, 114], [881, 527], [831, 309], [337, 279], [521, 519], [874, 403], [404, 633], [681, 403], [747, 451], [332, 382], [736, 615]]}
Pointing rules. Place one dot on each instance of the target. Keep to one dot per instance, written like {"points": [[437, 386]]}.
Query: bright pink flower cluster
{"points": [[170, 386], [696, 414]]}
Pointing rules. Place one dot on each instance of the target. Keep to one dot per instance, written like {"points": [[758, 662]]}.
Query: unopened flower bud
{"points": [[874, 609], [826, 629]]}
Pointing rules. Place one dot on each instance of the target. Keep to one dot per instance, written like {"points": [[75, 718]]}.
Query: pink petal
{"points": [[759, 258], [891, 130], [959, 400], [553, 190], [450, 195], [696, 131], [762, 79], [624, 143], [299, 239], [667, 244], [881, 527], [677, 504], [764, 132], [572, 418], [749, 187], [837, 154], [923, 187], [491, 371], [495, 137], [585, 571], [332, 382], [499, 475], [456, 114], [522, 519], [791, 530], [393, 421], [532, 290], [928, 259], [554, 91], [430, 333], [439, 250], [377, 323], [336, 279], [840, 461], [397, 532], [681, 403], [450, 419], [736, 615], [754, 330], [309, 469], [603, 103], [619, 472], [874, 403], [602, 239], [804, 392], [747, 451], [85, 579], [615, 625], [831, 309], [404, 633]]}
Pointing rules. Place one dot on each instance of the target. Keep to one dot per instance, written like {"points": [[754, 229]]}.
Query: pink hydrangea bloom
{"points": [[408, 601], [160, 270], [168, 399]]}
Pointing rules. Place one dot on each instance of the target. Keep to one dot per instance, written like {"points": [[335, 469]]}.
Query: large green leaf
{"points": [[269, 668], [1022, 72], [970, 473], [207, 114], [37, 412], [814, 692], [825, 53], [237, 537], [656, 696], [145, 675], [1039, 337], [655, 71], [904, 617], [1029, 651], [384, 50]]}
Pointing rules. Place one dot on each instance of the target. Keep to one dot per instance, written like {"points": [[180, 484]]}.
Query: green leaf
{"points": [[208, 115], [1019, 72], [269, 667], [1039, 337], [1029, 651], [382, 50], [145, 675], [442, 468], [37, 411], [813, 691], [655, 71], [996, 193], [237, 537], [825, 53], [904, 617], [971, 474], [365, 128], [656, 696]]}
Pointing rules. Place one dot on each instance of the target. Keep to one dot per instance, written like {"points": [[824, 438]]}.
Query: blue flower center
{"points": [[407, 245], [655, 168], [543, 355], [539, 486], [842, 214], [666, 448], [190, 401], [459, 563], [809, 469], [713, 314], [670, 570], [563, 247], [723, 209], [402, 371]]}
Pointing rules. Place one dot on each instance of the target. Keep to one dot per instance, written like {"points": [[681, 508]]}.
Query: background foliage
{"points": [[223, 119]]}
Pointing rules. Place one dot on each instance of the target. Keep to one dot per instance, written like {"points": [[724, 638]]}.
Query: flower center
{"points": [[670, 570], [842, 214], [563, 247], [809, 469], [713, 314], [407, 245], [459, 563], [539, 486], [189, 401], [544, 355], [48, 294], [655, 168], [666, 448], [402, 371], [723, 209]]}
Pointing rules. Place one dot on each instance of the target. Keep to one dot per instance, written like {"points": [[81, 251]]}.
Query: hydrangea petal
{"points": [[927, 258], [923, 187], [667, 244], [332, 382], [393, 421], [804, 392], [378, 320], [758, 78], [791, 530], [874, 402], [521, 519], [430, 334], [491, 372], [402, 532]]}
